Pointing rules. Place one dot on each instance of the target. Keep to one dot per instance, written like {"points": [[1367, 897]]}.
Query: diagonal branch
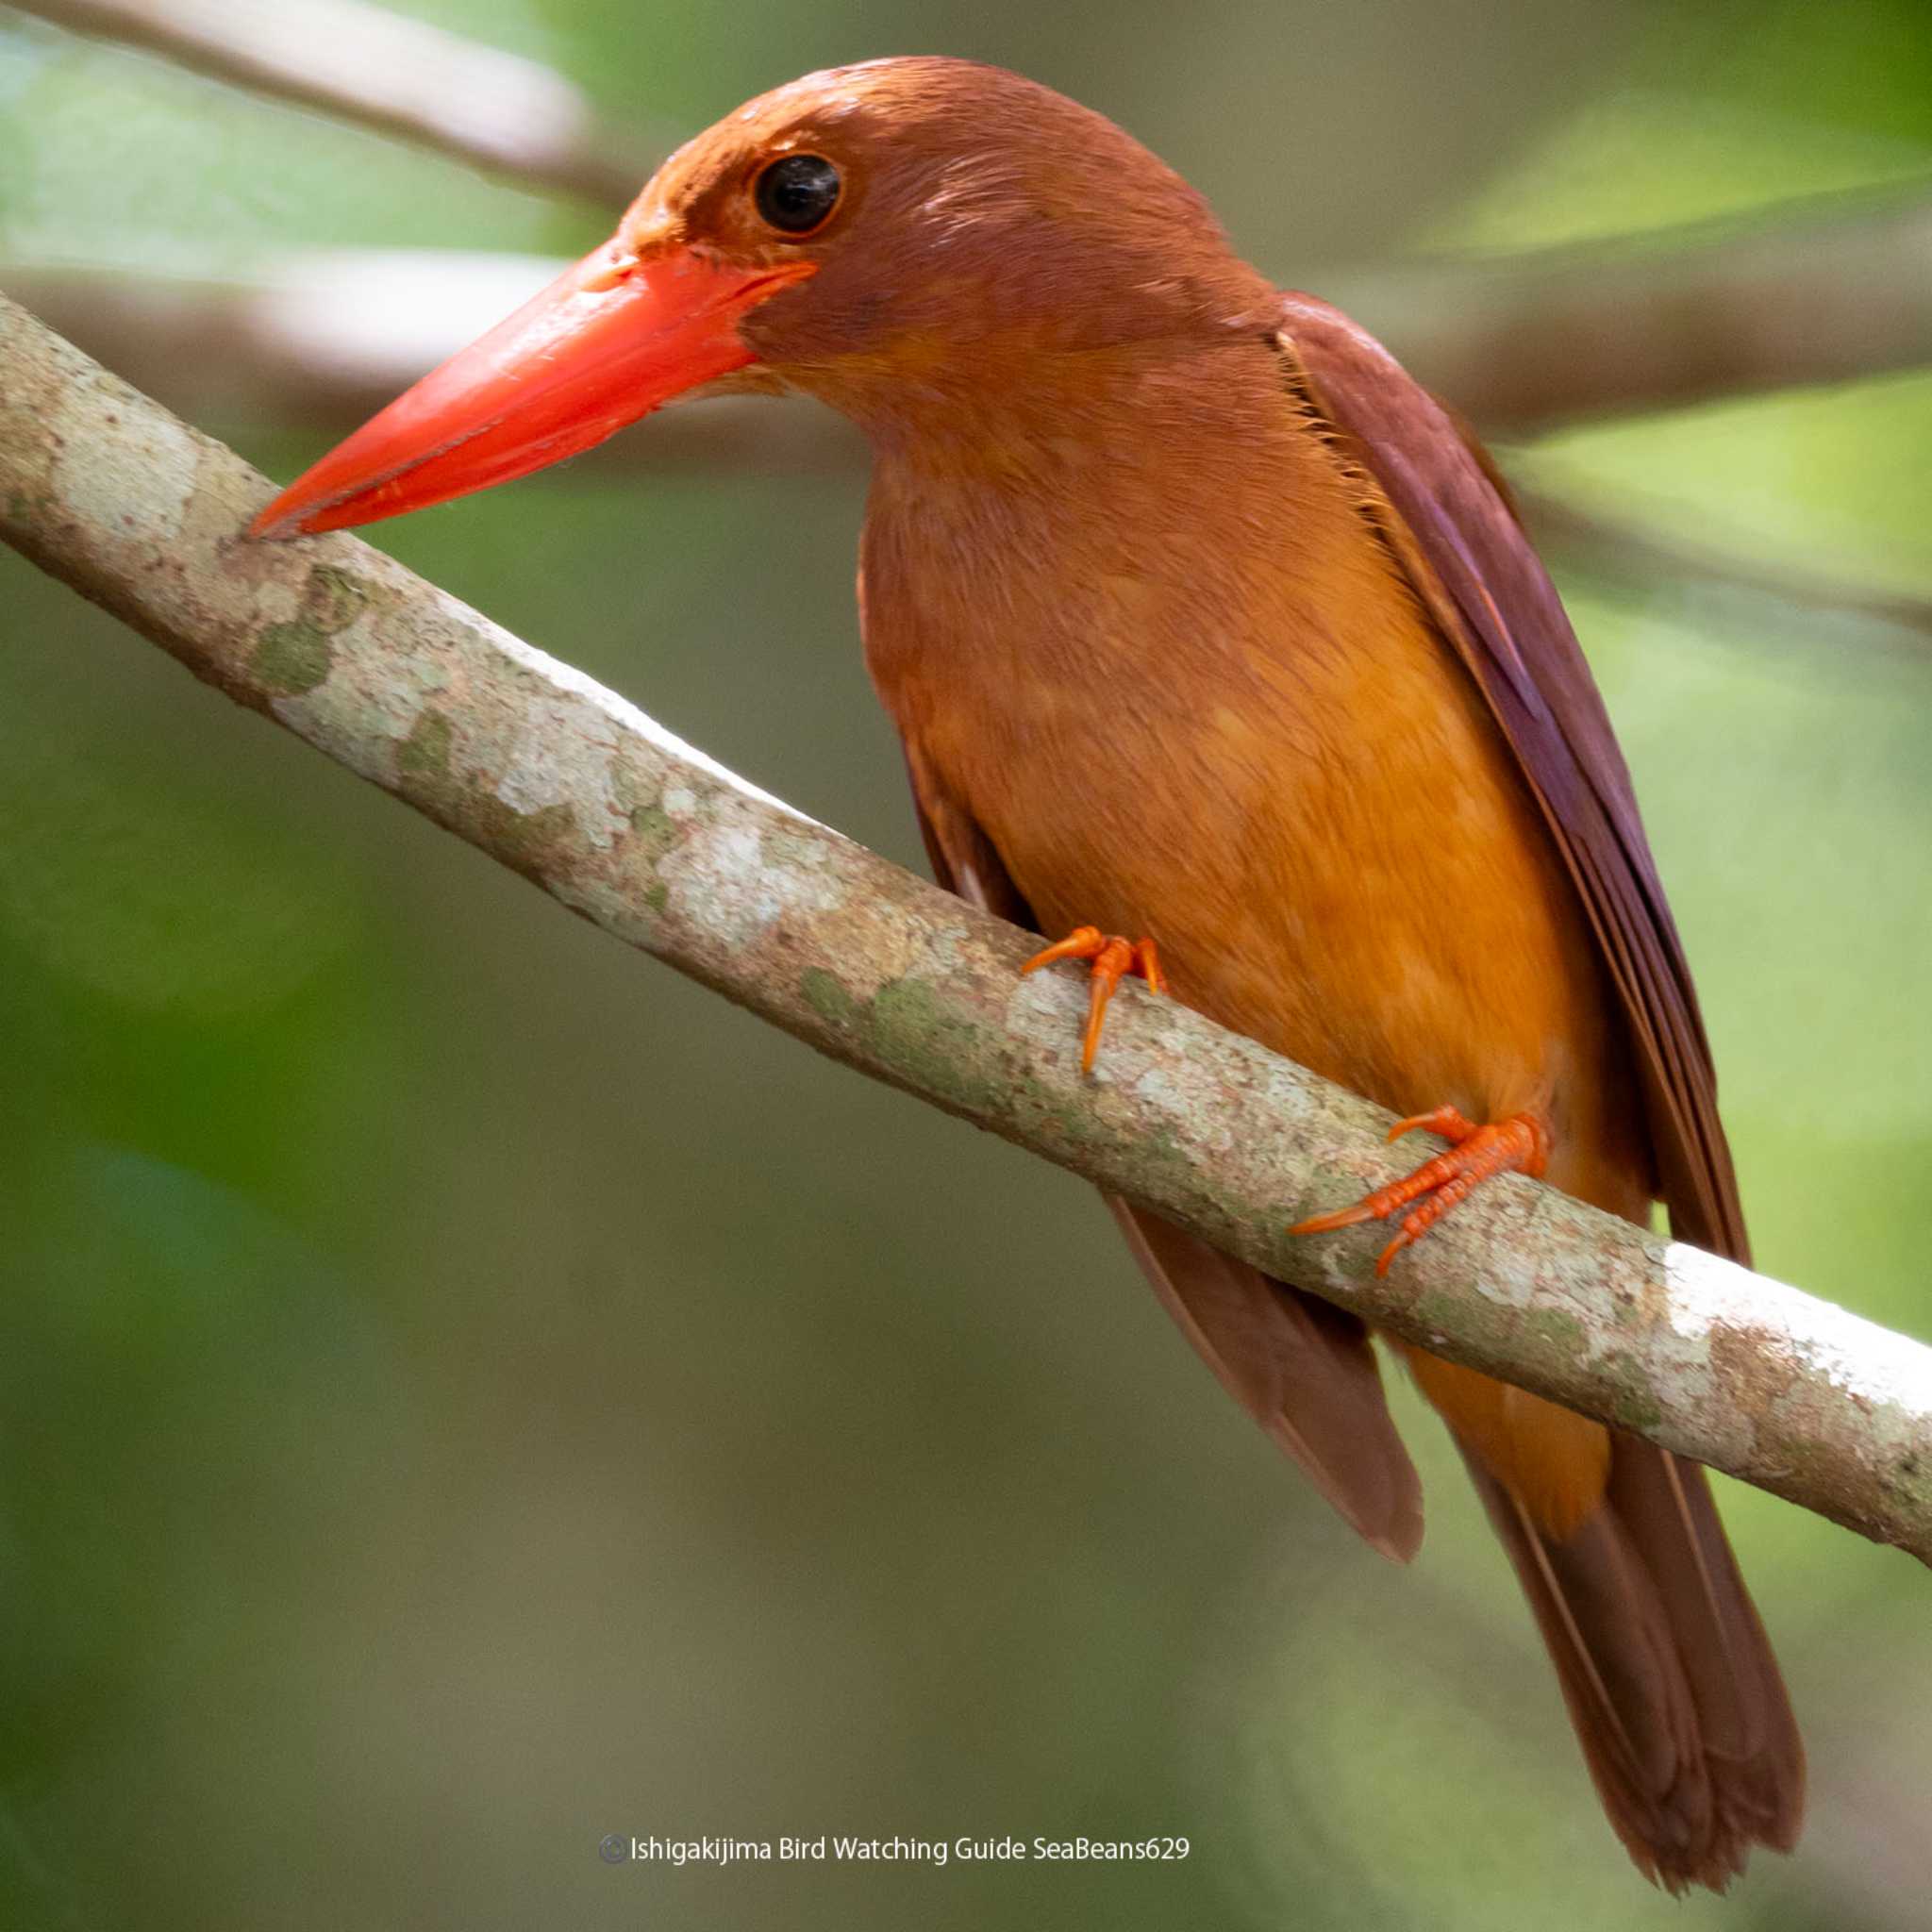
{"points": [[567, 783], [382, 69]]}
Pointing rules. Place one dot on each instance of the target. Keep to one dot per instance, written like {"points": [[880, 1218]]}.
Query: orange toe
{"points": [[1113, 958], [1520, 1144]]}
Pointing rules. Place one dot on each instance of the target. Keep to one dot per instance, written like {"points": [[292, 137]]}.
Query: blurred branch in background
{"points": [[1618, 548], [509, 116], [331, 337], [1828, 289], [1521, 345], [562, 780]]}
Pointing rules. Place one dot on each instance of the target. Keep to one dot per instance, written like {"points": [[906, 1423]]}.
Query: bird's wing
{"points": [[1444, 515], [1671, 1683], [1304, 1369]]}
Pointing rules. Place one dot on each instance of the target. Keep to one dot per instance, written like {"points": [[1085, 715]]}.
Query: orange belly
{"points": [[1284, 775]]}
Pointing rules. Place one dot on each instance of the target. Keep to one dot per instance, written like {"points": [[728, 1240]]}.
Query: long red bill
{"points": [[604, 344]]}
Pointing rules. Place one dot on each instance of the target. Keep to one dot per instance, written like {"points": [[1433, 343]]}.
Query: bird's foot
{"points": [[1518, 1144], [1113, 957]]}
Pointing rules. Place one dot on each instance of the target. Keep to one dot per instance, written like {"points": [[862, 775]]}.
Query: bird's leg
{"points": [[1520, 1144], [1112, 958]]}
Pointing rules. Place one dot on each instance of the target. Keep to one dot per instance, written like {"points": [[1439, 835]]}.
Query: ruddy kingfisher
{"points": [[1219, 657]]}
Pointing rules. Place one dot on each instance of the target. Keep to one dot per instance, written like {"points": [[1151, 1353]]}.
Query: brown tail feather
{"points": [[1670, 1681], [1304, 1369]]}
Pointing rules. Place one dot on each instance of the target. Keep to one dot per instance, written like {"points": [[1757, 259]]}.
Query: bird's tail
{"points": [[1667, 1671]]}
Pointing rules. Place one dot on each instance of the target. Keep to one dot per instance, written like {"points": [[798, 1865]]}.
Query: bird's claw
{"points": [[1520, 1144], [1112, 958]]}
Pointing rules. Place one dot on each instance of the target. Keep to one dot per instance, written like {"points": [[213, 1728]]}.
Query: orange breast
{"points": [[1195, 698]]}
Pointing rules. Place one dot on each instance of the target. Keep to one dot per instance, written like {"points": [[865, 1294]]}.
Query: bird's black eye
{"points": [[797, 193]]}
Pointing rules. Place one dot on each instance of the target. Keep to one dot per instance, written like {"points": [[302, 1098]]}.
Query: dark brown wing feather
{"points": [[1487, 591], [1304, 1369], [1670, 1681]]}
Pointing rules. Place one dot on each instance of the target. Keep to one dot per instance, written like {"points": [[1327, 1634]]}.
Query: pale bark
{"points": [[534, 764]]}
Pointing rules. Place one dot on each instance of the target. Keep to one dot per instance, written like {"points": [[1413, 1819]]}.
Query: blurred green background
{"points": [[464, 1390]]}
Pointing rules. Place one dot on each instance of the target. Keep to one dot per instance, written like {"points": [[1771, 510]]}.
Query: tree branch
{"points": [[1833, 288], [1623, 549], [382, 69], [562, 780]]}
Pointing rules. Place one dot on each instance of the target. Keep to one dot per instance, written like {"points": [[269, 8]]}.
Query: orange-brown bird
{"points": [[1201, 620]]}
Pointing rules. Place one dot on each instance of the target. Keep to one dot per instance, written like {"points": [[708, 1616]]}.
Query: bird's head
{"points": [[904, 238]]}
